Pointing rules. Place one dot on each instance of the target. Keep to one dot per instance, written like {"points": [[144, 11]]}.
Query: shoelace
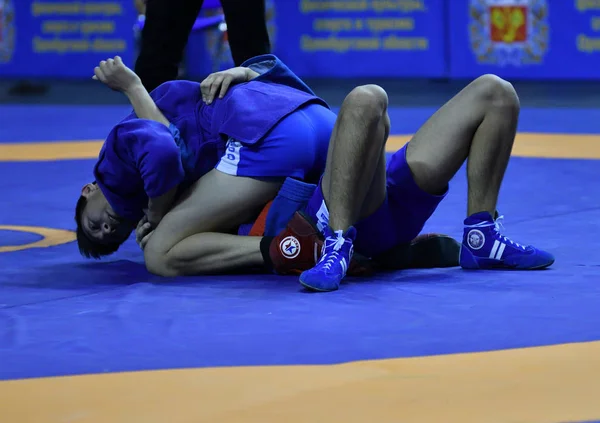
{"points": [[336, 243], [499, 227]]}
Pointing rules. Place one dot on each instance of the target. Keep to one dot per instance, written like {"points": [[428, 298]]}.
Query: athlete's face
{"points": [[99, 221]]}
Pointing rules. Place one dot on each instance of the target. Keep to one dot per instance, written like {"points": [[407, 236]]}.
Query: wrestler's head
{"points": [[100, 232]]}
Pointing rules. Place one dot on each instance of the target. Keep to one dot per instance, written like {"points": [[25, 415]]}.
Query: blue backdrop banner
{"points": [[529, 39], [355, 38], [50, 38]]}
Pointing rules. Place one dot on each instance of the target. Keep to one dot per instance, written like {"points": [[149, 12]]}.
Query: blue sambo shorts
{"points": [[296, 147], [400, 218]]}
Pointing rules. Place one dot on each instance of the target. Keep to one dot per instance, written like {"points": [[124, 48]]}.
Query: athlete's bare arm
{"points": [[117, 76]]}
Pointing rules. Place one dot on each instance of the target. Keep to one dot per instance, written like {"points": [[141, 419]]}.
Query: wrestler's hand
{"points": [[159, 206], [219, 82], [143, 232], [153, 218], [145, 239], [116, 75]]}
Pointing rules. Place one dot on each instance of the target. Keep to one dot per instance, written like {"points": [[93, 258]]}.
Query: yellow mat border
{"points": [[548, 384], [578, 146]]}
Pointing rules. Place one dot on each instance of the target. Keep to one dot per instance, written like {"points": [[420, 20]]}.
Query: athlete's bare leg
{"points": [[478, 125], [192, 238], [354, 183], [354, 179]]}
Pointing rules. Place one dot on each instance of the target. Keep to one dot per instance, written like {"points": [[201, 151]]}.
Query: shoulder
{"points": [[176, 88]]}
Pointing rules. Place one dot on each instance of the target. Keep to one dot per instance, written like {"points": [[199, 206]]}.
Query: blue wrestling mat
{"points": [[62, 315]]}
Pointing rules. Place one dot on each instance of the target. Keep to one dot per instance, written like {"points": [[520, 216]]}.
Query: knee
{"points": [[368, 102], [159, 263], [495, 92]]}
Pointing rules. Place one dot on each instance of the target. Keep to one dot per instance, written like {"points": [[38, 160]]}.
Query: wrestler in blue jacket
{"points": [[267, 129]]}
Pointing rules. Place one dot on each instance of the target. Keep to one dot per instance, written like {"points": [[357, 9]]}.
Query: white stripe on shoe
{"points": [[497, 250], [344, 265], [500, 251]]}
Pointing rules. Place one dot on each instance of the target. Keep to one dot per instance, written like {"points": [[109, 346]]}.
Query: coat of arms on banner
{"points": [[509, 32], [7, 31]]}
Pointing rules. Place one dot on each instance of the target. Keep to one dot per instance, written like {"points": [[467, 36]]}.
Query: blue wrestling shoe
{"points": [[484, 247], [335, 259]]}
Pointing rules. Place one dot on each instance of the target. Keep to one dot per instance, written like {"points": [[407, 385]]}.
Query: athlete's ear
{"points": [[88, 189]]}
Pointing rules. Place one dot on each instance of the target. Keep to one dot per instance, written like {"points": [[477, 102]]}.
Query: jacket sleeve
{"points": [[154, 150]]}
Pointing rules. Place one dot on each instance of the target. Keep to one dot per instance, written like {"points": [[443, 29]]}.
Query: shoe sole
{"points": [[540, 267], [312, 288], [504, 267]]}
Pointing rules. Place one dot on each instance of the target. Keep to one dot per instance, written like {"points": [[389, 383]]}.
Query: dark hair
{"points": [[87, 247]]}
